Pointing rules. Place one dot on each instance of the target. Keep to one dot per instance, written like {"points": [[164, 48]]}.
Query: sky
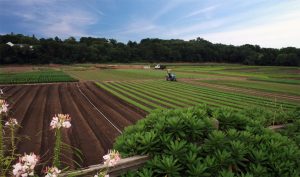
{"points": [[268, 23]]}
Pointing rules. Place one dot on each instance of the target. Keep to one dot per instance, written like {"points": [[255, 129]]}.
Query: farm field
{"points": [[291, 89], [149, 95], [40, 75], [105, 101], [90, 109], [265, 74]]}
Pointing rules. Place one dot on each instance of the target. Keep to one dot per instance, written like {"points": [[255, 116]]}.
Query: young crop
{"points": [[163, 94], [35, 77]]}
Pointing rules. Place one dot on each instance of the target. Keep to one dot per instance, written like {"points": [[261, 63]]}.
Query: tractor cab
{"points": [[170, 76]]}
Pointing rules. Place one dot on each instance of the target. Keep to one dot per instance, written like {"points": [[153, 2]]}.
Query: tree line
{"points": [[102, 50]]}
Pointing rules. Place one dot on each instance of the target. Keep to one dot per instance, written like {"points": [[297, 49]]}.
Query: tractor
{"points": [[170, 76]]}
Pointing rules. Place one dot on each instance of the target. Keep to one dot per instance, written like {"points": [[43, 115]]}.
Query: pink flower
{"points": [[52, 172], [3, 106], [25, 166], [112, 158], [60, 120], [101, 174], [11, 122]]}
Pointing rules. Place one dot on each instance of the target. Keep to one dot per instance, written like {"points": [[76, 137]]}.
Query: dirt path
{"points": [[243, 90], [91, 132]]}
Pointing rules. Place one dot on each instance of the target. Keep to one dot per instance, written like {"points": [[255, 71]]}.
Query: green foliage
{"points": [[35, 77], [101, 50], [187, 142], [57, 148], [149, 95]]}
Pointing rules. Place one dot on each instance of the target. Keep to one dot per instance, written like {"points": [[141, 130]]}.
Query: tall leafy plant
{"points": [[203, 141]]}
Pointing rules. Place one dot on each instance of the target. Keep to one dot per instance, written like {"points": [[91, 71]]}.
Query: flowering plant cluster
{"points": [[101, 174], [60, 120], [25, 166], [112, 158], [52, 172], [3, 106], [11, 122]]}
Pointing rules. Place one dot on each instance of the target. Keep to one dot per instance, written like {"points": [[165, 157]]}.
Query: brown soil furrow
{"points": [[91, 132], [135, 109], [115, 103], [88, 142], [8, 94], [53, 107], [116, 117], [107, 133], [33, 121], [18, 96], [74, 140], [20, 106], [242, 90], [6, 89]]}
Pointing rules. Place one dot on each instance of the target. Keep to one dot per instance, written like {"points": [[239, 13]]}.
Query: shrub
{"points": [[189, 142]]}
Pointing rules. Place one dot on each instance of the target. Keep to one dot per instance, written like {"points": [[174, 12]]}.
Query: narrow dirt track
{"points": [[97, 119]]}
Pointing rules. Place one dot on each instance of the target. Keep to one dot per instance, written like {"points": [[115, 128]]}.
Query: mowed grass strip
{"points": [[232, 97], [197, 97], [178, 96], [163, 94], [192, 95], [290, 89], [146, 102], [123, 97], [152, 98]]}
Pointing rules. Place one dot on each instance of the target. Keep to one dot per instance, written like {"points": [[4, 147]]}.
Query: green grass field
{"points": [[115, 74], [147, 89], [279, 74], [150, 95], [276, 87], [40, 76]]}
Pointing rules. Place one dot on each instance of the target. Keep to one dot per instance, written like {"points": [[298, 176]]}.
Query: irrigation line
{"points": [[98, 110]]}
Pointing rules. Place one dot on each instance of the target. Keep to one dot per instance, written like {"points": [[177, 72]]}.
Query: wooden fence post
{"points": [[124, 165]]}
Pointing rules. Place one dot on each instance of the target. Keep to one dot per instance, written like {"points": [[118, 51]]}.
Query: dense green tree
{"points": [[89, 49]]}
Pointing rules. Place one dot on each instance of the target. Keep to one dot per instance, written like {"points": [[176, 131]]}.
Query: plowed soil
{"points": [[97, 119]]}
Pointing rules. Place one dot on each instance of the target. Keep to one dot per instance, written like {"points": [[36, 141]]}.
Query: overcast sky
{"points": [[269, 23]]}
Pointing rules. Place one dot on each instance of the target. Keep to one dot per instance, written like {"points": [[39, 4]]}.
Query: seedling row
{"points": [[149, 95], [35, 77]]}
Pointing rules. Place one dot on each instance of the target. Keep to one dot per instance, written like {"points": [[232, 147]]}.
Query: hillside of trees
{"points": [[102, 50]]}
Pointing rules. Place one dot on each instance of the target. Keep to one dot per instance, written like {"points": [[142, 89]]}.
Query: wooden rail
{"points": [[124, 165]]}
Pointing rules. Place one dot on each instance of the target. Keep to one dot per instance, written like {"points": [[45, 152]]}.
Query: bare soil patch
{"points": [[35, 105], [102, 66]]}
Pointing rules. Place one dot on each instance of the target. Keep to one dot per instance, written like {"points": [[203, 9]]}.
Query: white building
{"points": [[19, 45], [10, 44]]}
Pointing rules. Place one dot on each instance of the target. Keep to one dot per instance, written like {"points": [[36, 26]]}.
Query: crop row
{"points": [[225, 98], [35, 77], [149, 95]]}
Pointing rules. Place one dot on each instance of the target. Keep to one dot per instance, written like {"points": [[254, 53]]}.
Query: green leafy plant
{"points": [[188, 143]]}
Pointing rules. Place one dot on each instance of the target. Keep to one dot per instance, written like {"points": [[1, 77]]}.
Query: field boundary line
{"points": [[98, 110]]}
